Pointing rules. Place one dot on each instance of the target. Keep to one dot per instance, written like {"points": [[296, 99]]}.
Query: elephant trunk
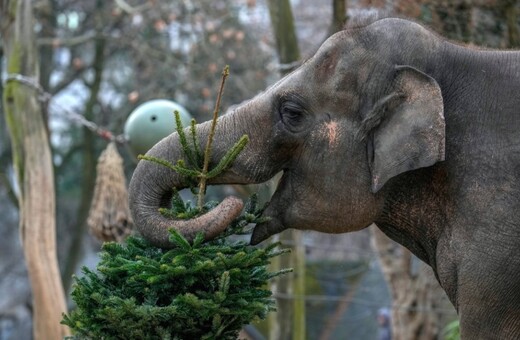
{"points": [[151, 188]]}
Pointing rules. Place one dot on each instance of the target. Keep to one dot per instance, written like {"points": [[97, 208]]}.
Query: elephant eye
{"points": [[292, 115]]}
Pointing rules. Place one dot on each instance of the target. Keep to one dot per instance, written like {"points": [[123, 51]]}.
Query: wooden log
{"points": [[34, 170]]}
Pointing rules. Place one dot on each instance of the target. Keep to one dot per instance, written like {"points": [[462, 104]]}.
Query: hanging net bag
{"points": [[109, 216]]}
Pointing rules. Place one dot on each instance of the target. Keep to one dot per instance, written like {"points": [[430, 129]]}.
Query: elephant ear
{"points": [[411, 131]]}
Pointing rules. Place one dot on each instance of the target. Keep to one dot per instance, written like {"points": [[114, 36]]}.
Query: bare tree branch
{"points": [[71, 41]]}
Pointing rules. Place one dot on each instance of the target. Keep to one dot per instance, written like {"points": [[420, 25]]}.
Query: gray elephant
{"points": [[388, 124]]}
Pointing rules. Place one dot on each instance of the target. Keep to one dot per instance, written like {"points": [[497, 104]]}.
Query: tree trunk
{"points": [[420, 308], [289, 321], [47, 20], [34, 170], [510, 13], [284, 33], [339, 16]]}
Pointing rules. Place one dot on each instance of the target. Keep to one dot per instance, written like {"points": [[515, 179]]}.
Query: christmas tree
{"points": [[198, 290]]}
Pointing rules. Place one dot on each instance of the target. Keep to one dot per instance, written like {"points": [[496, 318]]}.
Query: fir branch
{"points": [[156, 160], [229, 157], [207, 152], [184, 210], [280, 272], [224, 283], [251, 205], [179, 240], [188, 151], [168, 213], [196, 145], [199, 239], [180, 167], [183, 170], [177, 203]]}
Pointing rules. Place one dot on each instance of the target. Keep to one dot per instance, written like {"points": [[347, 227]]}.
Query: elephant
{"points": [[388, 123]]}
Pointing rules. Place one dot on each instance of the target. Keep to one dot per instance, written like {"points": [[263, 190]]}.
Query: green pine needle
{"points": [[159, 161], [190, 152], [229, 157], [179, 240], [196, 145]]}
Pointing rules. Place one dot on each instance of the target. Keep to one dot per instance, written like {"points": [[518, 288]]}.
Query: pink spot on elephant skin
{"points": [[331, 131]]}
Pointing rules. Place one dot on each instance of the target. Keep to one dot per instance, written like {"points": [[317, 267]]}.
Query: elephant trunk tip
{"points": [[211, 224]]}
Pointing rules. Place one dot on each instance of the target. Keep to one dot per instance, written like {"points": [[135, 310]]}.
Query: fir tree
{"points": [[199, 290], [193, 291]]}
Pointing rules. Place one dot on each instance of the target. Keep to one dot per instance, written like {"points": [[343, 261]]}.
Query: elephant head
{"points": [[350, 119]]}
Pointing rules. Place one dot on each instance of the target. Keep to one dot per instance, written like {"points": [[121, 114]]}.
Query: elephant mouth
{"points": [[265, 230], [275, 214]]}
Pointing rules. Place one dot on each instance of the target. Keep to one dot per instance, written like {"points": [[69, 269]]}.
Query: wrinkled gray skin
{"points": [[391, 124]]}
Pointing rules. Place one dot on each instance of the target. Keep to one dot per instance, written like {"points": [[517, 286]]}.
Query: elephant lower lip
{"points": [[264, 230], [259, 235]]}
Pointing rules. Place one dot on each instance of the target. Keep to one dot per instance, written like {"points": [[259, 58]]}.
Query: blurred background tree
{"points": [[101, 59]]}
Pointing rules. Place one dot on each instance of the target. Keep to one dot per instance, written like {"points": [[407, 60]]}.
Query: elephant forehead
{"points": [[339, 51], [325, 64]]}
